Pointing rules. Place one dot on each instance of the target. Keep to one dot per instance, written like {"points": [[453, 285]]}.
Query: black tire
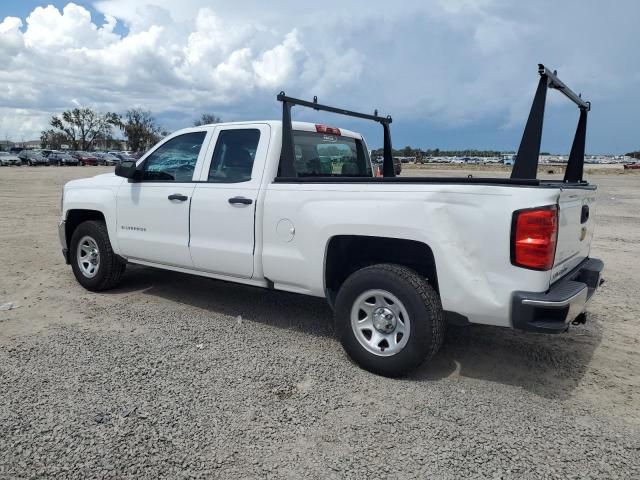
{"points": [[421, 303], [111, 267]]}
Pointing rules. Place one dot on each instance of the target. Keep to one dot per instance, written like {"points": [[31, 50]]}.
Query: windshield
{"points": [[328, 155]]}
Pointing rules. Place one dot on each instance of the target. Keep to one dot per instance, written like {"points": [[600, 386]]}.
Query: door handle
{"points": [[178, 196], [240, 200]]}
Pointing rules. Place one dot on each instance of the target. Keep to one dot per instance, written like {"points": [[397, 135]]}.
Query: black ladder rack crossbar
{"points": [[554, 82], [287, 156], [526, 163]]}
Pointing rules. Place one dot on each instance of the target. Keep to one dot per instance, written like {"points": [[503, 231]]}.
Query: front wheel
{"points": [[389, 319], [94, 264]]}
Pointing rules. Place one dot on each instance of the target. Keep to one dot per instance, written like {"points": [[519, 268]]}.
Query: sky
{"points": [[453, 74]]}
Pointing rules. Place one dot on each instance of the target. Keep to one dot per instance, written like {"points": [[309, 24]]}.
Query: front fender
{"points": [[97, 199]]}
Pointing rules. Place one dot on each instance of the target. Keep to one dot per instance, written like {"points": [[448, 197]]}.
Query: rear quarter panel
{"points": [[468, 228]]}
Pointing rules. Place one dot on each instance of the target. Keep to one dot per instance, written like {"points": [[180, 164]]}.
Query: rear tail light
{"points": [[329, 130], [534, 233]]}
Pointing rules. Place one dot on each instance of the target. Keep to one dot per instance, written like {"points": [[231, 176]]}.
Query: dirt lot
{"points": [[177, 376]]}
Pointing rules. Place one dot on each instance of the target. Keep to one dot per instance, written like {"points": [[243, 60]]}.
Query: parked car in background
{"points": [[45, 153], [123, 156], [107, 158], [85, 158], [7, 159], [62, 159], [32, 158]]}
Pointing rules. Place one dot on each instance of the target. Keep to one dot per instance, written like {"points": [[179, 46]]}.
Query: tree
{"points": [[82, 126], [206, 119], [53, 139], [141, 129], [407, 151]]}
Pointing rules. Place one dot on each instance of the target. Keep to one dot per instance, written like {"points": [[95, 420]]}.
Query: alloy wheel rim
{"points": [[88, 256], [380, 322]]}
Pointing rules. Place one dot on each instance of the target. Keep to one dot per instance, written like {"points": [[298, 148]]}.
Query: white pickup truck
{"points": [[296, 207]]}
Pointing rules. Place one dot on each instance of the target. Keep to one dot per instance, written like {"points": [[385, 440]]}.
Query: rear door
{"points": [[575, 229], [224, 201]]}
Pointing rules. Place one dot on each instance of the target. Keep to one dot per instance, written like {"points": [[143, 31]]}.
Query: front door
{"points": [[224, 201], [153, 213]]}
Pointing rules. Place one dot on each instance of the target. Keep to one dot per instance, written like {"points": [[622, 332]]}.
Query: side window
{"points": [[175, 160], [233, 156]]}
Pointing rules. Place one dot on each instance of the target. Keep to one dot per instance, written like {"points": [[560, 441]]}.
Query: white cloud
{"points": [[278, 64], [12, 40], [445, 62], [48, 28]]}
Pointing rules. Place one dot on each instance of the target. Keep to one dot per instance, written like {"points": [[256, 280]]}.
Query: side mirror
{"points": [[126, 169]]}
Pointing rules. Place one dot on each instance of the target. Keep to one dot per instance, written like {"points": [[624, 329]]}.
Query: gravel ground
{"points": [[177, 376]]}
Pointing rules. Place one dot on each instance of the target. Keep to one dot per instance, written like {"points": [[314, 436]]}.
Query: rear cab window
{"points": [[329, 155]]}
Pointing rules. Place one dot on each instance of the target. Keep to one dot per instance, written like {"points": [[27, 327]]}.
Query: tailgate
{"points": [[575, 229]]}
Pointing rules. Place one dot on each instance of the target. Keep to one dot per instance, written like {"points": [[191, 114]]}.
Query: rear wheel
{"points": [[389, 319], [95, 265]]}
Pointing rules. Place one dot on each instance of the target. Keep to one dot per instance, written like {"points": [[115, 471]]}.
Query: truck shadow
{"points": [[279, 309], [550, 366]]}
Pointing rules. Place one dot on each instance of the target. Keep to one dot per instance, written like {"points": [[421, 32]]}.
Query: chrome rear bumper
{"points": [[552, 311]]}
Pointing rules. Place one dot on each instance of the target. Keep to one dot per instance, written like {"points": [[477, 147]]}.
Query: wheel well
{"points": [[348, 253], [76, 217]]}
